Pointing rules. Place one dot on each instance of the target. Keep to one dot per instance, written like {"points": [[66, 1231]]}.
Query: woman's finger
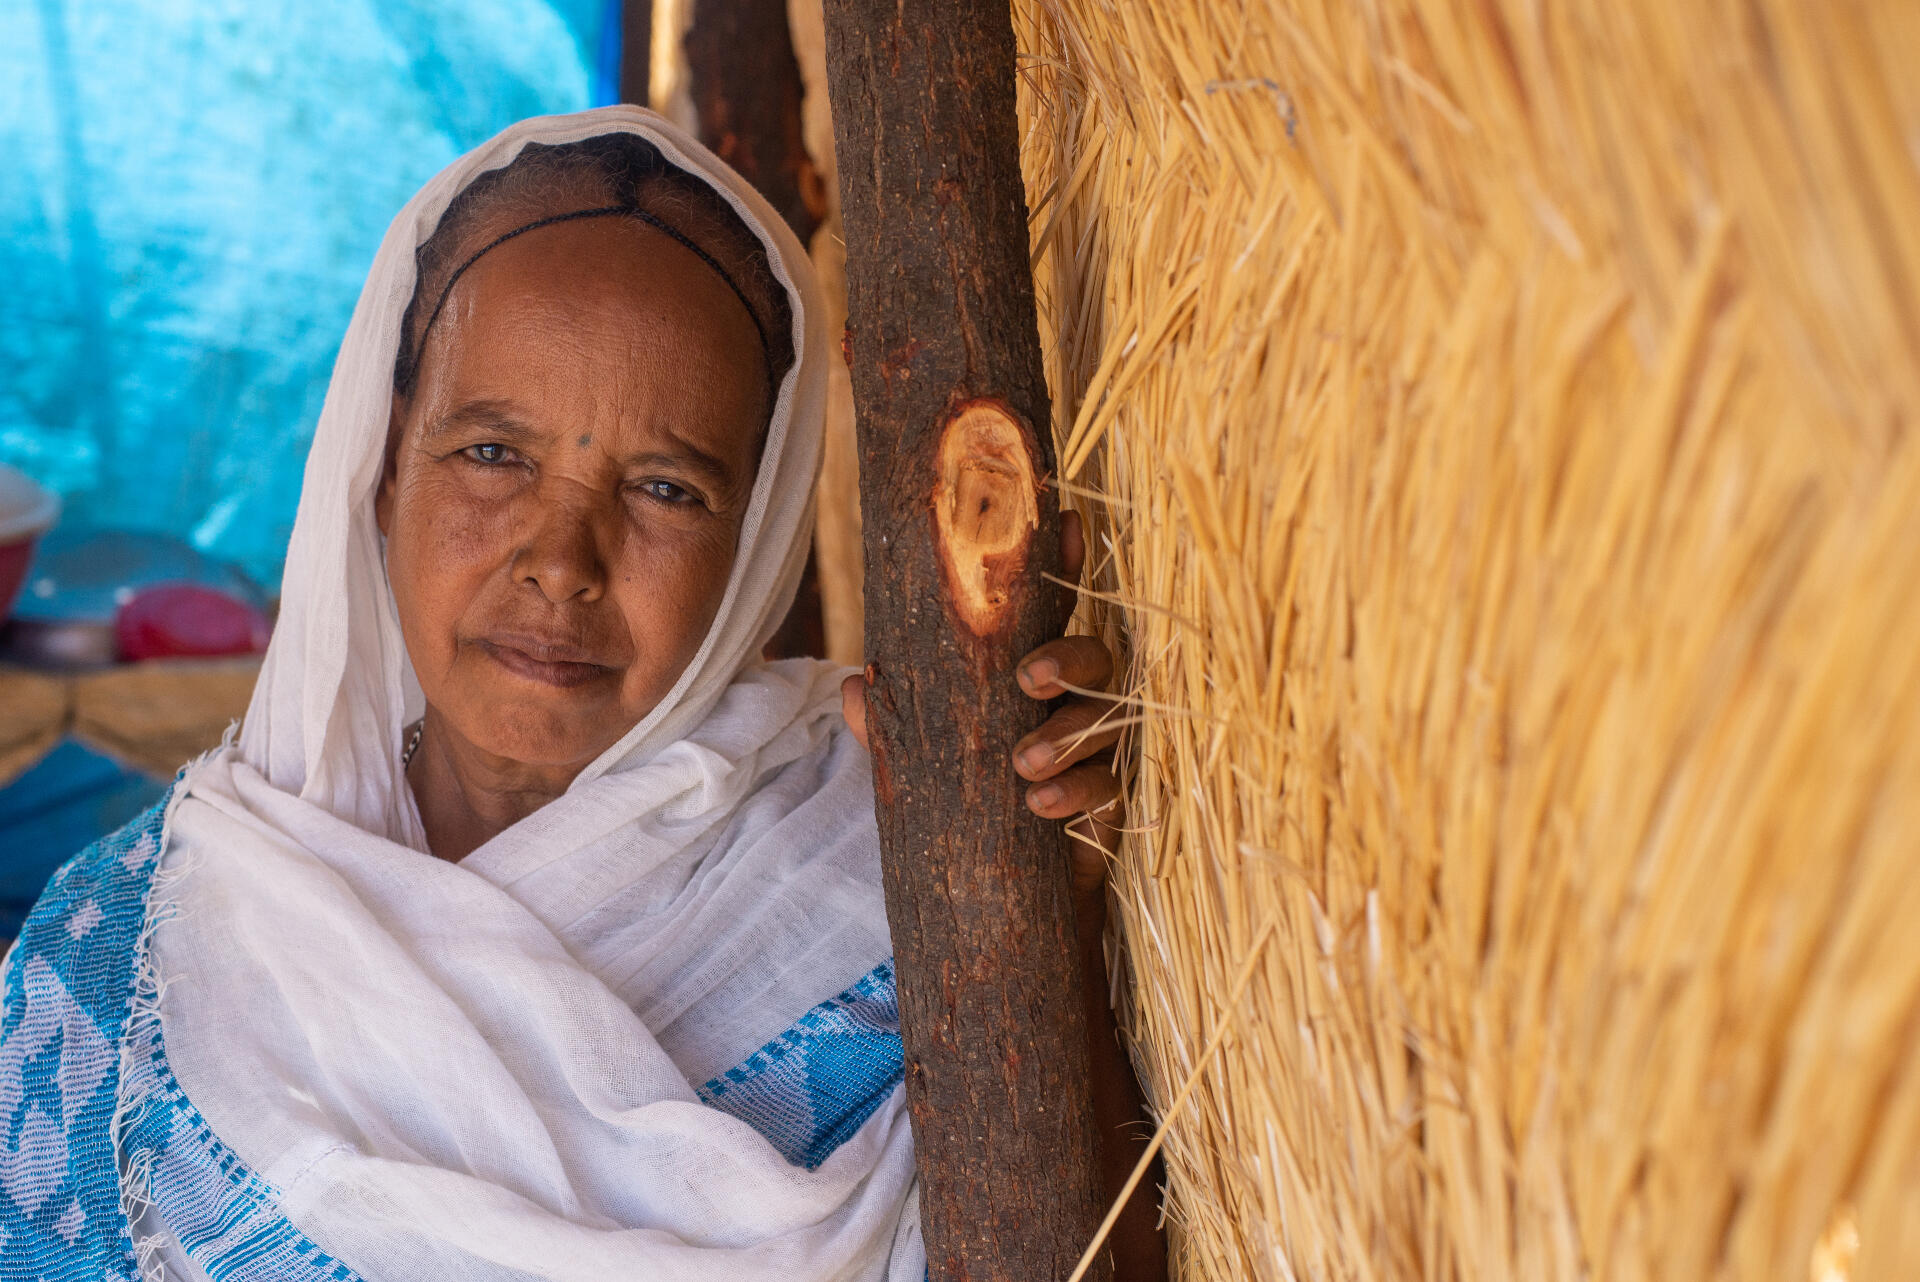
{"points": [[1073, 545], [1090, 786], [853, 706], [1074, 661], [1094, 841], [1077, 731]]}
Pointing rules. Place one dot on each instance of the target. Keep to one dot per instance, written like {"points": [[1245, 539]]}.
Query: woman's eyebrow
{"points": [[685, 454], [499, 419]]}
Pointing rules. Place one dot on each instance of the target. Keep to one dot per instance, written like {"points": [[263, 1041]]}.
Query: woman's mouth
{"points": [[549, 663]]}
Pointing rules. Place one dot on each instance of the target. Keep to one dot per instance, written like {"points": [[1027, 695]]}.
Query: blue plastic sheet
{"points": [[193, 191], [70, 799]]}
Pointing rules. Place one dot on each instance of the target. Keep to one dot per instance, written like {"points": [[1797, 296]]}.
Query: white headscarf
{"points": [[483, 1070], [336, 687]]}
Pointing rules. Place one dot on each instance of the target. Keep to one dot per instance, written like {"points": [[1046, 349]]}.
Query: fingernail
{"points": [[1042, 672], [1036, 757], [1046, 796]]}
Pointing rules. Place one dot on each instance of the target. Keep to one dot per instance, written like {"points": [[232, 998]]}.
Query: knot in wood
{"points": [[986, 508]]}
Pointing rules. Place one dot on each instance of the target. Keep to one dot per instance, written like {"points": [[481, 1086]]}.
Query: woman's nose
{"points": [[561, 555]]}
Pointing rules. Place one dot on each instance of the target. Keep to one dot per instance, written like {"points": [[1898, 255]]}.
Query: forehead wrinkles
{"points": [[619, 281]]}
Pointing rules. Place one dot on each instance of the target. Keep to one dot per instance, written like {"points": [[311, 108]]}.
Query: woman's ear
{"points": [[389, 470]]}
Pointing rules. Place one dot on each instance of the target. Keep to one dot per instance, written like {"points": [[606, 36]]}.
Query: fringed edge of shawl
{"points": [[143, 1018]]}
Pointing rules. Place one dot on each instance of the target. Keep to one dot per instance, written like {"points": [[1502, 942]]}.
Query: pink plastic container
{"points": [[186, 620], [27, 510]]}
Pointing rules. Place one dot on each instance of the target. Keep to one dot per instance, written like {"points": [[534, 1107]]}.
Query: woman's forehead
{"points": [[613, 271], [599, 318]]}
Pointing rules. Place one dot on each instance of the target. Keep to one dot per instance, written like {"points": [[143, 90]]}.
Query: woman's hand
{"points": [[1069, 759]]}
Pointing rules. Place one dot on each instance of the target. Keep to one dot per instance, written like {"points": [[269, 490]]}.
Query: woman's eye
{"points": [[488, 453], [668, 492]]}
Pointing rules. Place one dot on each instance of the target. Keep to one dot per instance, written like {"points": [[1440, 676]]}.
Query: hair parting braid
{"points": [[606, 211], [612, 175]]}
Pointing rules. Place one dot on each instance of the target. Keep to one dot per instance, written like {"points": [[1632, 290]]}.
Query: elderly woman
{"points": [[531, 927]]}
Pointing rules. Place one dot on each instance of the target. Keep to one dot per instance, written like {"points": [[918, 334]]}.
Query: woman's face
{"points": [[566, 485]]}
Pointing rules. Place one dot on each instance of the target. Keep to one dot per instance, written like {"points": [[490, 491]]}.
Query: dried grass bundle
{"points": [[1501, 421]]}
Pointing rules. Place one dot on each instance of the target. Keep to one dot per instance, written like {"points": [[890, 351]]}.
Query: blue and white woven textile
{"points": [[68, 990], [818, 1082], [71, 1050]]}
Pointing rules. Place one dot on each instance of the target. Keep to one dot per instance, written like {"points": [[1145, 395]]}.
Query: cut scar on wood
{"points": [[986, 508]]}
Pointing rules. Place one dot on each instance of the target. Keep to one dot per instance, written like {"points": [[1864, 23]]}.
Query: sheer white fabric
{"points": [[483, 1070]]}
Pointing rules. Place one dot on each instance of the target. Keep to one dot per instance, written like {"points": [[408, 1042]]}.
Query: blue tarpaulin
{"points": [[193, 192]]}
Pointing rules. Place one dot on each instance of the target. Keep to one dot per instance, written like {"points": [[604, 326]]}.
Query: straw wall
{"points": [[1501, 420]]}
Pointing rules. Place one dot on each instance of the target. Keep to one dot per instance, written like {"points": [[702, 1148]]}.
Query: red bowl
{"points": [[186, 620], [15, 557], [26, 512]]}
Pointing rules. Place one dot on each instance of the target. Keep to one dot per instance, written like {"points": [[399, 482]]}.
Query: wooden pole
{"points": [[959, 523], [746, 90], [636, 50]]}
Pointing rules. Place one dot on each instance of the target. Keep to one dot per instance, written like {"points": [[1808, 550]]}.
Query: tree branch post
{"points": [[636, 50], [960, 526], [747, 93]]}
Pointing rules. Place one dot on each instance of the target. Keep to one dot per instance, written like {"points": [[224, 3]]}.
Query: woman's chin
{"points": [[545, 733]]}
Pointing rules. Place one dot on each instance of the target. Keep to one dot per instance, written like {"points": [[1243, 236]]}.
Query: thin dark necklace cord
{"points": [[605, 211]]}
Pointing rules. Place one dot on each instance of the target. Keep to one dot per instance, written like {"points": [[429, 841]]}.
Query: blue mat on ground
{"points": [[71, 799]]}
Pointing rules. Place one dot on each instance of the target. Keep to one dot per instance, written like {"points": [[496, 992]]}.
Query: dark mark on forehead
{"points": [[586, 439]]}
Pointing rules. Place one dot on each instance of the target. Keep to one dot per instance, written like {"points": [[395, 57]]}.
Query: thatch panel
{"points": [[1499, 422]]}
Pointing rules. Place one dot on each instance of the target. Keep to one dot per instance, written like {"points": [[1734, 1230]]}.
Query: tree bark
{"points": [[747, 96], [959, 526], [746, 90], [636, 50]]}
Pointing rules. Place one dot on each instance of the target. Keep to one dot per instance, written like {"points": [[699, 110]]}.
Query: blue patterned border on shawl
{"points": [[224, 1215], [68, 987], [68, 991], [814, 1085]]}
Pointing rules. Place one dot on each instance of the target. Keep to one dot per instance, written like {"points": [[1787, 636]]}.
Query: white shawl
{"points": [[486, 1070]]}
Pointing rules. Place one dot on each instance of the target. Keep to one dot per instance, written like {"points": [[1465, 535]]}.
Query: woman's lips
{"points": [[548, 663]]}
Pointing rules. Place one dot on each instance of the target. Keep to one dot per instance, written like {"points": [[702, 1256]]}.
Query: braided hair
{"points": [[612, 175]]}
